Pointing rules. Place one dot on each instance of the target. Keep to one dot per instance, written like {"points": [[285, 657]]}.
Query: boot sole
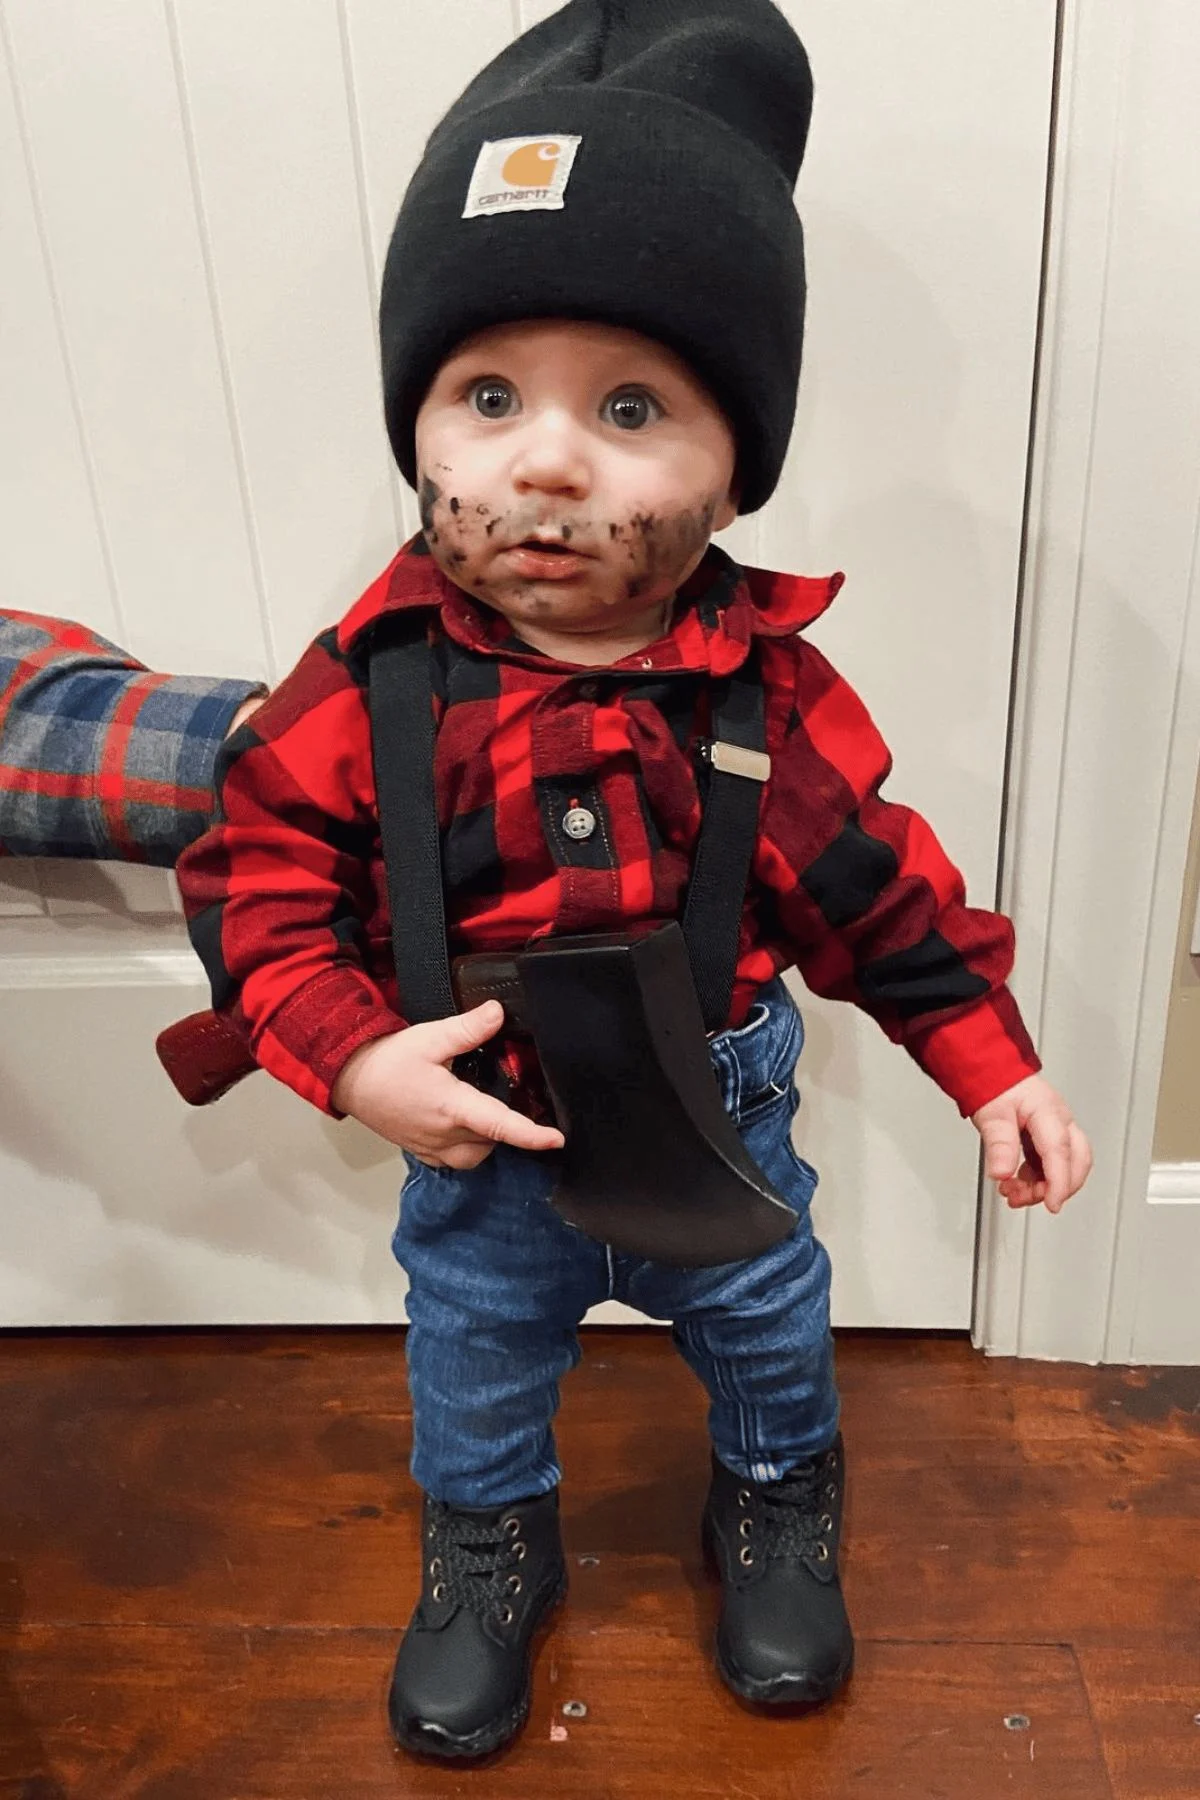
{"points": [[433, 1742], [776, 1690], [783, 1690]]}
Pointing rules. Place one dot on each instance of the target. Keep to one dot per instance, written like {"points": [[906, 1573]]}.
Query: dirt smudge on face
{"points": [[429, 495], [660, 546], [640, 559]]}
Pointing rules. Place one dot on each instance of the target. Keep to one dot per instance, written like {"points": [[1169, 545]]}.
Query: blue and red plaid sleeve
{"points": [[870, 904], [99, 756]]}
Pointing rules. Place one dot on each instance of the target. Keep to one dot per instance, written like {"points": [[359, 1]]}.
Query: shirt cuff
{"points": [[978, 1054], [311, 1037]]}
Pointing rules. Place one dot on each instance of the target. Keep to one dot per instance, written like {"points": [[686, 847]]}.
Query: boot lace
{"points": [[474, 1562], [796, 1513]]}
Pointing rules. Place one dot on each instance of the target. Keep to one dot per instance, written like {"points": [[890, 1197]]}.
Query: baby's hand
{"points": [[1033, 1119], [401, 1086]]}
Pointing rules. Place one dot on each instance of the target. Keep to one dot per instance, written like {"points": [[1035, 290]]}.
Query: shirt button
{"points": [[579, 822]]}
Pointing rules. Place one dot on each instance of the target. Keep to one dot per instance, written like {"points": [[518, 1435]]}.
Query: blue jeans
{"points": [[499, 1283]]}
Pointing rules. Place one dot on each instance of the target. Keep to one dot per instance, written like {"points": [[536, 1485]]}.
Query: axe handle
{"points": [[487, 975]]}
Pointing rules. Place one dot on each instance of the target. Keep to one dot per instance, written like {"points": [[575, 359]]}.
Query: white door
{"points": [[194, 202]]}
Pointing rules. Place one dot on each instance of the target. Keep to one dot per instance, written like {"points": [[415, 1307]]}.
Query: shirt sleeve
{"points": [[870, 904], [99, 756], [277, 893]]}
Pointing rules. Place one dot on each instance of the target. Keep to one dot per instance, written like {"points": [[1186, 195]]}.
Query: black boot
{"points": [[784, 1635], [461, 1682]]}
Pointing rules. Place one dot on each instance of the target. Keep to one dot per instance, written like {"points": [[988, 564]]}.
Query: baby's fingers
{"points": [[1024, 1188], [1001, 1148], [1053, 1139], [487, 1117], [1081, 1159]]}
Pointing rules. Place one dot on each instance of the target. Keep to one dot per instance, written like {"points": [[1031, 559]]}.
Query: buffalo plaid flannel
{"points": [[98, 756], [285, 896]]}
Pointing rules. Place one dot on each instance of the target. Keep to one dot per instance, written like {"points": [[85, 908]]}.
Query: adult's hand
{"points": [[243, 712]]}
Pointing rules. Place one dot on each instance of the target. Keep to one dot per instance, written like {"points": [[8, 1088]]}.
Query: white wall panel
{"points": [[107, 141], [407, 64], [201, 195], [923, 225], [272, 125], [54, 557]]}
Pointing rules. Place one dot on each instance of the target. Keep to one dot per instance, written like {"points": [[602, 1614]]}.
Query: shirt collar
{"points": [[720, 608]]}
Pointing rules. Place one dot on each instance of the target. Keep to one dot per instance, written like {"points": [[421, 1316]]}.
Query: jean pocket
{"points": [[763, 1101], [769, 1081]]}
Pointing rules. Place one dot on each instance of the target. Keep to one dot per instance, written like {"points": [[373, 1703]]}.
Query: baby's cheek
{"points": [[664, 546], [457, 530]]}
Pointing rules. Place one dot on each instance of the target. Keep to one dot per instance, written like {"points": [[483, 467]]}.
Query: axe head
{"points": [[653, 1164]]}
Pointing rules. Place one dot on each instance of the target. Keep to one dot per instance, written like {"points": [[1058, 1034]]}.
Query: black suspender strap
{"points": [[402, 734], [716, 894], [402, 742]]}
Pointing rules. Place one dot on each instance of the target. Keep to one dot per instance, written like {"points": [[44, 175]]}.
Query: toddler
{"points": [[591, 325]]}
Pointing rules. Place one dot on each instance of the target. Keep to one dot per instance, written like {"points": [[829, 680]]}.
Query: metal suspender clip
{"points": [[731, 759]]}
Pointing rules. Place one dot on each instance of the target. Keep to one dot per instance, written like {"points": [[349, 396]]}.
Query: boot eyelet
{"points": [[436, 1567], [439, 1592], [743, 1496], [826, 1522], [513, 1584], [745, 1555], [831, 1491], [512, 1526], [506, 1615], [518, 1551], [822, 1553], [745, 1527]]}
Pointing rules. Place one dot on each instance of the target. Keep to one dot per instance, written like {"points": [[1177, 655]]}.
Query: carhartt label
{"points": [[525, 174]]}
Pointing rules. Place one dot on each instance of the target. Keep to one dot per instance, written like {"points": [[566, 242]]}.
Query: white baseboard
{"points": [[1174, 1184], [1166, 1322], [105, 968]]}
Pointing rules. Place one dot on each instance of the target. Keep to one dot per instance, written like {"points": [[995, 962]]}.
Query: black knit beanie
{"points": [[630, 161]]}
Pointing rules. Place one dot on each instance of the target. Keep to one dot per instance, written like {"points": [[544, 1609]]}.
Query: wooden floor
{"points": [[208, 1548]]}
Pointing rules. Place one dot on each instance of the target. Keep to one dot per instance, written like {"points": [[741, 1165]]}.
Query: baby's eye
{"points": [[493, 398], [631, 408]]}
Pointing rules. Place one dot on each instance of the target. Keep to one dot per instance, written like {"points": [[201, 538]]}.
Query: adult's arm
{"points": [[100, 757]]}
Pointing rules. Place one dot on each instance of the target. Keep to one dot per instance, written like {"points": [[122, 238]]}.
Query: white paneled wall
{"points": [[195, 201]]}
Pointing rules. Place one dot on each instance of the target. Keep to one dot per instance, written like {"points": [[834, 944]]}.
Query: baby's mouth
{"points": [[548, 546], [540, 558]]}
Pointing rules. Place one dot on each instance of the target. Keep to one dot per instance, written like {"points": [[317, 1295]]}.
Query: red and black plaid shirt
{"points": [[286, 899]]}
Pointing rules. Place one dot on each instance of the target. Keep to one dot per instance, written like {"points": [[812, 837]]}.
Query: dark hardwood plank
{"points": [[1039, 1501], [205, 1714], [229, 1476], [255, 1477], [1146, 1704], [166, 1497]]}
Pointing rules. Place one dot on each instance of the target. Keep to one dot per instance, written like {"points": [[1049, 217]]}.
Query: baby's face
{"points": [[596, 441]]}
